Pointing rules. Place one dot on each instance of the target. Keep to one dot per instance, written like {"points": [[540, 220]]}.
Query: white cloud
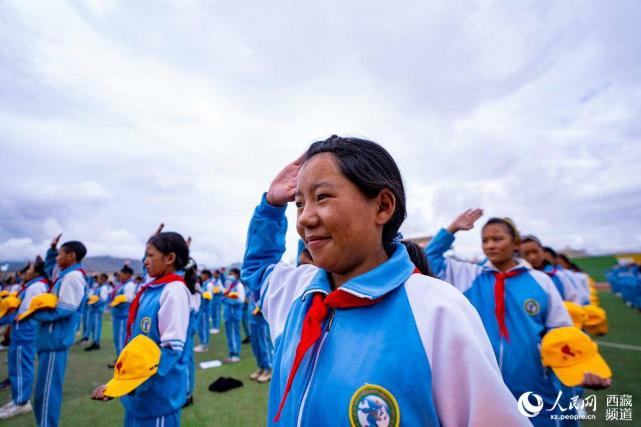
{"points": [[183, 113]]}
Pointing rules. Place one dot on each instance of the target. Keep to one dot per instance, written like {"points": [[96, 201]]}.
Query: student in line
{"points": [[217, 291], [97, 303], [22, 349], [364, 336], [233, 303], [518, 306], [55, 331], [120, 300], [160, 311]]}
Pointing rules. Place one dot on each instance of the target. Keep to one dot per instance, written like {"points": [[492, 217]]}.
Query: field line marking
{"points": [[622, 346]]}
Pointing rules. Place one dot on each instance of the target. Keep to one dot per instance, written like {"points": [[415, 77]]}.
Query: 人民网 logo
{"points": [[373, 406], [527, 408], [145, 324], [532, 306]]}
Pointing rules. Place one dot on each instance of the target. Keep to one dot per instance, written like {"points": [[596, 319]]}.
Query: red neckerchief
{"points": [[133, 308], [499, 299], [116, 289], [312, 327], [231, 288], [551, 273]]}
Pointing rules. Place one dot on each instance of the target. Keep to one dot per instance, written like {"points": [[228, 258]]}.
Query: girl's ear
{"points": [[171, 259], [386, 206]]}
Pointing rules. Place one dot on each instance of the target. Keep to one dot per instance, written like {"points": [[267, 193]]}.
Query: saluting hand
{"points": [[282, 189], [465, 221], [54, 242]]}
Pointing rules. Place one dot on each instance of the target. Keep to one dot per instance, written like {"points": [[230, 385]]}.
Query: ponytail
{"points": [[418, 257]]}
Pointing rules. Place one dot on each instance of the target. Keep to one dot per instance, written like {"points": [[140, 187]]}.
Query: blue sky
{"points": [[115, 116]]}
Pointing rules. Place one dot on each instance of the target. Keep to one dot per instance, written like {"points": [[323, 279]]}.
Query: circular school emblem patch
{"points": [[373, 406], [145, 324], [532, 306]]}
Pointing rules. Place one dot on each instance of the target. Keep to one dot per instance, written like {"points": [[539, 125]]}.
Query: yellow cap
{"points": [[571, 353], [137, 362], [256, 311], [93, 299], [576, 313], [216, 289], [39, 302], [9, 303], [593, 291], [597, 321], [207, 295], [119, 299], [13, 294], [4, 293], [233, 295], [595, 315]]}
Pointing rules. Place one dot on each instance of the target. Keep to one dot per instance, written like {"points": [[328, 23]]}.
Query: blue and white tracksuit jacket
{"points": [[216, 302], [564, 284], [233, 314], [532, 307], [163, 315], [423, 343], [96, 310], [120, 313], [203, 313], [22, 348], [55, 333]]}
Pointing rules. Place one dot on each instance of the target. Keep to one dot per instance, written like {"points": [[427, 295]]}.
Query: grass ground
{"points": [[595, 266], [247, 406]]}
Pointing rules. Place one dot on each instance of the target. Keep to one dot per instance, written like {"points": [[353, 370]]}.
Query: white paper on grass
{"points": [[210, 364]]}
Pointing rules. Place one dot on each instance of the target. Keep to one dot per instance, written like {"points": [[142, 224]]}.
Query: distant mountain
{"points": [[105, 264]]}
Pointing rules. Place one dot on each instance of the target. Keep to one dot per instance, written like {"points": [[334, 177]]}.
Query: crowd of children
{"points": [[365, 329]]}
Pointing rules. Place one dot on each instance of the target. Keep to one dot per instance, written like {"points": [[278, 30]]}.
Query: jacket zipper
{"points": [[315, 362], [501, 355]]}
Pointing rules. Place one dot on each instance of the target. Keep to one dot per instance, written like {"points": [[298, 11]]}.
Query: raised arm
{"points": [[268, 227], [458, 273], [50, 257]]}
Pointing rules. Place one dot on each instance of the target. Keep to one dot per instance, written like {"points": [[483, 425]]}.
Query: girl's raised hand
{"points": [[99, 394], [159, 229], [55, 240], [282, 189], [465, 221]]}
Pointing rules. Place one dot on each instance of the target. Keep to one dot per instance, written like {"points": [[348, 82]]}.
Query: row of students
{"points": [[347, 324]]}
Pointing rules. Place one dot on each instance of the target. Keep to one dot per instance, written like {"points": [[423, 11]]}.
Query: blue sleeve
{"points": [[50, 261], [265, 243], [7, 319], [436, 249], [168, 358], [51, 315]]}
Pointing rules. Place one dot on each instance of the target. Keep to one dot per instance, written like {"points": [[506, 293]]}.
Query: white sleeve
{"points": [[242, 293], [210, 286], [72, 290], [130, 291], [33, 290], [173, 315], [466, 382], [281, 288], [105, 291], [461, 274], [557, 315]]}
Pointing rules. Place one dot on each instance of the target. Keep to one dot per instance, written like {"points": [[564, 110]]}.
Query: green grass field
{"points": [[595, 266], [247, 406]]}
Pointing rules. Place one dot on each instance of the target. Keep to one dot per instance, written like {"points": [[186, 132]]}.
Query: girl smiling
{"points": [[363, 335]]}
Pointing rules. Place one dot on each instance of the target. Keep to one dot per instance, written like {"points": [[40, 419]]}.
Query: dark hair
{"points": [[576, 268], [104, 275], [76, 247], [417, 255], [550, 251], [127, 270], [138, 278], [168, 242], [234, 271], [531, 238], [39, 267], [206, 273], [371, 168], [508, 224], [565, 258]]}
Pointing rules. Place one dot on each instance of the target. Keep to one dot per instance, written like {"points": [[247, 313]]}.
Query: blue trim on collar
{"points": [[374, 283]]}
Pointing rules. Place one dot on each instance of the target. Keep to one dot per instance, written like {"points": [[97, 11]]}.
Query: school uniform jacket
{"points": [[420, 354], [532, 307]]}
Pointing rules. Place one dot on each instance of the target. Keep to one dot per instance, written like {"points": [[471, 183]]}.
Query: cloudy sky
{"points": [[115, 116]]}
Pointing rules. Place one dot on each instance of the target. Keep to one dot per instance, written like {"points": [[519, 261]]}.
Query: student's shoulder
{"points": [[176, 289], [431, 293], [75, 276], [543, 280]]}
